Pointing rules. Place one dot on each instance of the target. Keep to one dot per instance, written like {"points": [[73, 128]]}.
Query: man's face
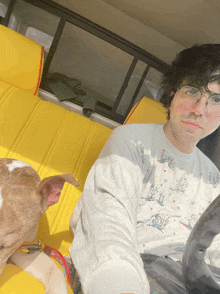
{"points": [[191, 124]]}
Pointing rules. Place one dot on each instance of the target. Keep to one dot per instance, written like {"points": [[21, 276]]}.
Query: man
{"points": [[149, 186]]}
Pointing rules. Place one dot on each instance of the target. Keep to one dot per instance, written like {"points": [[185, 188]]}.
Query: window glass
{"points": [[84, 68], [13, 22], [151, 86], [92, 68], [132, 85], [33, 22]]}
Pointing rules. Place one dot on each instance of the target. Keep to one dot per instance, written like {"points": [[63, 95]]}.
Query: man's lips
{"points": [[192, 125]]}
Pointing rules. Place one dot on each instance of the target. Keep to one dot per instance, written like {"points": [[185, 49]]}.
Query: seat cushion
{"points": [[54, 141]]}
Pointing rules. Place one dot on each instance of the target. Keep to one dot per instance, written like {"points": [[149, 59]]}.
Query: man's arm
{"points": [[115, 277], [106, 232]]}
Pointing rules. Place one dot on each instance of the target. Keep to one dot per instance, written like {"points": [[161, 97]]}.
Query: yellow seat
{"points": [[50, 138], [147, 110], [21, 62]]}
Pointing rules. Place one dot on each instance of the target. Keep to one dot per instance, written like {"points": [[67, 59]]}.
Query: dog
{"points": [[23, 199]]}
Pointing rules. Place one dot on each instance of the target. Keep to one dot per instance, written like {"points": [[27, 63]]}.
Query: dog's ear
{"points": [[50, 188]]}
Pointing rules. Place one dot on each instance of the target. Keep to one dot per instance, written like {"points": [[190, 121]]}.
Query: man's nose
{"points": [[200, 108]]}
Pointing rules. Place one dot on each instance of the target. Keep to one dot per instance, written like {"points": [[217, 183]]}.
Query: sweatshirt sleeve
{"points": [[104, 249]]}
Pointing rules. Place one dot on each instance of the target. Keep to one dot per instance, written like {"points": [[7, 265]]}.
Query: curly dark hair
{"points": [[193, 65]]}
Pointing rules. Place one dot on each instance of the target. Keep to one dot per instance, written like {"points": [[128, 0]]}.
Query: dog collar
{"points": [[37, 245], [31, 247]]}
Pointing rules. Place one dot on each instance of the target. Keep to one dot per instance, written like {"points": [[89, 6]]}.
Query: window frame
{"points": [[138, 53]]}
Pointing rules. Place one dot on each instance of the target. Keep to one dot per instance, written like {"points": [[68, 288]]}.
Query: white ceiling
{"points": [[162, 27], [185, 22]]}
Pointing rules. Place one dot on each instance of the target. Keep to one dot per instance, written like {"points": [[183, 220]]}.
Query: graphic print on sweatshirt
{"points": [[155, 196], [181, 185], [167, 191], [190, 221], [214, 179], [166, 157]]}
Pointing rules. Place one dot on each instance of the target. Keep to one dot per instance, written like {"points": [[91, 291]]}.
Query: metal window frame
{"points": [[138, 53]]}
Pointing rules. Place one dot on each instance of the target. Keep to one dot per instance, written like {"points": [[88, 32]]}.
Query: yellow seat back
{"points": [[147, 110], [21, 62], [52, 139]]}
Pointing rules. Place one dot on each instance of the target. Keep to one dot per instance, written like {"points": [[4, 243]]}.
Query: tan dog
{"points": [[23, 199]]}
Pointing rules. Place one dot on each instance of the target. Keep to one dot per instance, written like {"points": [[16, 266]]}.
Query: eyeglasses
{"points": [[189, 96]]}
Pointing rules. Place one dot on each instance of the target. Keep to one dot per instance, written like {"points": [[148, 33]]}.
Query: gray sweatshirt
{"points": [[142, 195]]}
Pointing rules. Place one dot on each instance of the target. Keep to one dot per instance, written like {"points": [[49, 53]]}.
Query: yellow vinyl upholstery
{"points": [[54, 141], [21, 61], [147, 110], [50, 138]]}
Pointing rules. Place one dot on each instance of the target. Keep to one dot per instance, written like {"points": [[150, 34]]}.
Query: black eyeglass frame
{"points": [[218, 94]]}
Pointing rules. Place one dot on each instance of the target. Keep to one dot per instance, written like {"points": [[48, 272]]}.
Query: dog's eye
{"points": [[2, 247]]}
